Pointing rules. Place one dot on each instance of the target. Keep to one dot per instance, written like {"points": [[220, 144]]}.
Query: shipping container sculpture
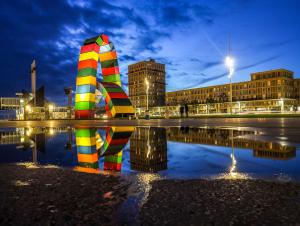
{"points": [[94, 50]]}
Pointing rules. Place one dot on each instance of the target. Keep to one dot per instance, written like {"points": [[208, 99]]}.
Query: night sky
{"points": [[190, 37]]}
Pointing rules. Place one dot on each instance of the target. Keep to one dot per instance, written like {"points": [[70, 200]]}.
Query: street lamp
{"points": [[28, 108], [147, 93], [281, 102], [229, 63], [50, 107], [239, 104]]}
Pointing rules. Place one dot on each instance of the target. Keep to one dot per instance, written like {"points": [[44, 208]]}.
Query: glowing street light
{"points": [[28, 108], [147, 93], [50, 107], [281, 102], [229, 63]]}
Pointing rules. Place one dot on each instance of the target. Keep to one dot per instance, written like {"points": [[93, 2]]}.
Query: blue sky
{"points": [[190, 37]]}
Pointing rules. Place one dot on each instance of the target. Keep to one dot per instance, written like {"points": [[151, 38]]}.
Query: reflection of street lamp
{"points": [[229, 63], [148, 143], [51, 131], [232, 171]]}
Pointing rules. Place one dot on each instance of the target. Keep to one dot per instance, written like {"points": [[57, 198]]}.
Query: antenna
{"points": [[229, 43], [33, 81]]}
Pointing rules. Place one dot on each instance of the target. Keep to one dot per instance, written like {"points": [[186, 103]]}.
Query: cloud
{"points": [[206, 65], [221, 75], [172, 15], [272, 45], [206, 14]]}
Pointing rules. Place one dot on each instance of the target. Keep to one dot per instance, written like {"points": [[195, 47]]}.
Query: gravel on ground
{"points": [[44, 195], [222, 202], [48, 195]]}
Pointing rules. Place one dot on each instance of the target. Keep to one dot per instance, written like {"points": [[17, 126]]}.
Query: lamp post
{"points": [[147, 93], [281, 104], [147, 98], [229, 63], [50, 108]]}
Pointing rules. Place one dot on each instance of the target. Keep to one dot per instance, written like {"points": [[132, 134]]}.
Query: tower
{"points": [[155, 74], [33, 81]]}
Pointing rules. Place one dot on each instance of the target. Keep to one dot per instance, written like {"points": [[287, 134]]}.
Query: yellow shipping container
{"points": [[121, 109], [87, 80], [85, 141], [85, 97], [88, 56], [108, 56], [123, 129], [87, 157]]}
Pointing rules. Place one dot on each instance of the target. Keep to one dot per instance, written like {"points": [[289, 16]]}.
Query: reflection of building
{"points": [[155, 74], [148, 149], [28, 138], [282, 152], [221, 137]]}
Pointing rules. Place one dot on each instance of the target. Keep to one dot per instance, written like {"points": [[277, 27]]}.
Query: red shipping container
{"points": [[84, 114], [119, 141], [110, 71], [118, 95], [90, 47], [112, 166], [87, 64], [105, 38]]}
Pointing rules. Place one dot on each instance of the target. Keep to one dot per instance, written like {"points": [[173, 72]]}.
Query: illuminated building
{"points": [[155, 74], [267, 91], [274, 90]]}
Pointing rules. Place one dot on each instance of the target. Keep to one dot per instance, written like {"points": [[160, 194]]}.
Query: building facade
{"points": [[267, 91], [155, 74]]}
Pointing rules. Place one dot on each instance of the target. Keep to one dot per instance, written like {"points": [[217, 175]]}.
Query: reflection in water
{"points": [[29, 138], [86, 150], [232, 138], [90, 146], [116, 139], [69, 144], [148, 149], [148, 146]]}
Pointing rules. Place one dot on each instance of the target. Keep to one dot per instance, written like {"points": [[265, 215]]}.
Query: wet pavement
{"points": [[144, 156]]}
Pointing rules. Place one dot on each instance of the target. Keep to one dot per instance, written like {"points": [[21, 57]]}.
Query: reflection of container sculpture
{"points": [[90, 147], [116, 139], [86, 150], [117, 102]]}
